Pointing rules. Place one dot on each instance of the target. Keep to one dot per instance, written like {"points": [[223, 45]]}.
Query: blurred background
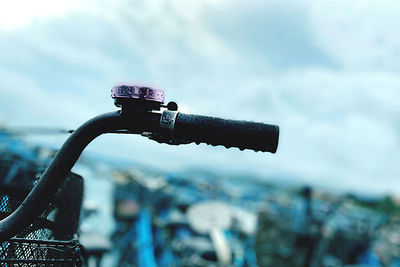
{"points": [[326, 72]]}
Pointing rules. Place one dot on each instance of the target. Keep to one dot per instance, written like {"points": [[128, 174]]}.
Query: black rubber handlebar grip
{"points": [[229, 133]]}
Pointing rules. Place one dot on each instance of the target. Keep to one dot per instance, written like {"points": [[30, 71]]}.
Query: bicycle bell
{"points": [[140, 96]]}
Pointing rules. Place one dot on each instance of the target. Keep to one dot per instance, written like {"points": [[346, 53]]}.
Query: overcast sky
{"points": [[326, 72]]}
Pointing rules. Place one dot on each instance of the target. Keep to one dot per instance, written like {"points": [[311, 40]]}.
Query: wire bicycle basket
{"points": [[31, 252], [48, 240]]}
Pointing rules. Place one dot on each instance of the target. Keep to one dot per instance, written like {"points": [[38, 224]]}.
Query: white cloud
{"points": [[21, 13], [359, 34]]}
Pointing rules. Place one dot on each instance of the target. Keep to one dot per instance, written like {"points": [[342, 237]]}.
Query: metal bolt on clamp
{"points": [[167, 123]]}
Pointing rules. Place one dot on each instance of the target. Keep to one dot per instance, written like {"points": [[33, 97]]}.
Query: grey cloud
{"points": [[276, 35]]}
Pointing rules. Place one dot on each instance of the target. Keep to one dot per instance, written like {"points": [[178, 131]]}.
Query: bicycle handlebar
{"points": [[169, 127], [58, 170], [229, 133]]}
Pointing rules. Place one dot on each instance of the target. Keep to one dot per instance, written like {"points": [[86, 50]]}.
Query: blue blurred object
{"points": [[369, 258], [144, 234]]}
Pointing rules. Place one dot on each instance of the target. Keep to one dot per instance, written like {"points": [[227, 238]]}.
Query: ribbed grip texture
{"points": [[229, 133]]}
